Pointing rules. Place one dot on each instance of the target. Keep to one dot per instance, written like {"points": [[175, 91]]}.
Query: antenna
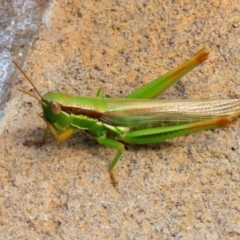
{"points": [[25, 75], [25, 92]]}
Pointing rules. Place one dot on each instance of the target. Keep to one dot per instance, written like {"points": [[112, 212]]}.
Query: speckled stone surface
{"points": [[186, 188]]}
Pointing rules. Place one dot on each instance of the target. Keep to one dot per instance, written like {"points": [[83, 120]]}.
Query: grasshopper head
{"points": [[52, 112]]}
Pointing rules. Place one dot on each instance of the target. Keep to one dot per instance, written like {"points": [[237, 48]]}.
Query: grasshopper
{"points": [[136, 119]]}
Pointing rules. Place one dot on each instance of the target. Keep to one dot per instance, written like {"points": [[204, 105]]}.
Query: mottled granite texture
{"points": [[186, 188]]}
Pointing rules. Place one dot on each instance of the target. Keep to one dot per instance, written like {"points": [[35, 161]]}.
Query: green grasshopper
{"points": [[137, 118]]}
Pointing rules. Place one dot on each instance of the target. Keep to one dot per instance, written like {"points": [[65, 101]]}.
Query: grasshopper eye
{"points": [[55, 108]]}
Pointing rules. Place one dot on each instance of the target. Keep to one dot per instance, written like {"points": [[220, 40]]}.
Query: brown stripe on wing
{"points": [[82, 111]]}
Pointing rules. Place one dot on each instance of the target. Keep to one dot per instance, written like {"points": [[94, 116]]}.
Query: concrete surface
{"points": [[186, 188]]}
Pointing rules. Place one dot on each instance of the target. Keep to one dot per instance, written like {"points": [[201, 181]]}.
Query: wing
{"points": [[139, 114]]}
